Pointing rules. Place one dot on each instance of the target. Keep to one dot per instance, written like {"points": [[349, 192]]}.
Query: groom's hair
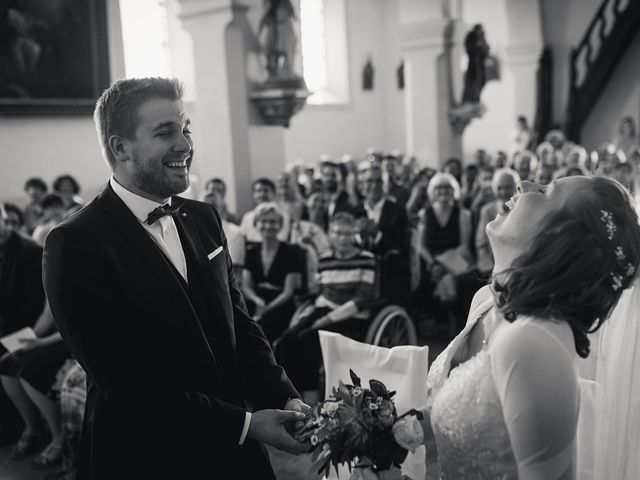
{"points": [[574, 271], [117, 108]]}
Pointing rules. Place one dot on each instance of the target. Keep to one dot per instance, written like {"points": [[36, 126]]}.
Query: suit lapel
{"points": [[144, 247], [202, 270], [385, 215]]}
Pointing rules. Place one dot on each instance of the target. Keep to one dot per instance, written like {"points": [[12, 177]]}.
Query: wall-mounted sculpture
{"points": [[284, 92]]}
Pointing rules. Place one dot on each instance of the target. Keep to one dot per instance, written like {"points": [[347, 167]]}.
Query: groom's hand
{"points": [[268, 426]]}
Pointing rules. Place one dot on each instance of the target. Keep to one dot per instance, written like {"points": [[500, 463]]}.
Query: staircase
{"points": [[603, 45]]}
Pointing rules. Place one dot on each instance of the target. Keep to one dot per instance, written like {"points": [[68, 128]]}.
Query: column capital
{"points": [[425, 34], [197, 8]]}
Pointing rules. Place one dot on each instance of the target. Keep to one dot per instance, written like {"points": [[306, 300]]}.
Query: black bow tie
{"points": [[162, 211]]}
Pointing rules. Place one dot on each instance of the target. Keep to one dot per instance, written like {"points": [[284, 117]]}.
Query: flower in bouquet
{"points": [[408, 432], [355, 425]]}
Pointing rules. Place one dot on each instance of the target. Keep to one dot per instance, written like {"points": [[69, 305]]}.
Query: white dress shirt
{"points": [[374, 211], [165, 234]]}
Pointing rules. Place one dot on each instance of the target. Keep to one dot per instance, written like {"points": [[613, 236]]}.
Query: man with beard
{"points": [[385, 231], [141, 287], [333, 183]]}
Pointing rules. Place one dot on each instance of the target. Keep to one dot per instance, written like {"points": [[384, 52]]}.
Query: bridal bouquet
{"points": [[360, 427]]}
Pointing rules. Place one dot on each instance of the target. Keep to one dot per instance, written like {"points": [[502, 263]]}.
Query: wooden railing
{"points": [[603, 45]]}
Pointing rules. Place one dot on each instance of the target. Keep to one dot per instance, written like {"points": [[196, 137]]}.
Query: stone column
{"points": [[522, 61], [428, 83], [221, 113], [525, 46]]}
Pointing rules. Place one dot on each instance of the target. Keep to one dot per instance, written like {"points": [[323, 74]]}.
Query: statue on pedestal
{"points": [[475, 77], [279, 38]]}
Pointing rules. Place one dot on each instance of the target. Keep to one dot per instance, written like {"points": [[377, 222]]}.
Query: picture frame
{"points": [[53, 57]]}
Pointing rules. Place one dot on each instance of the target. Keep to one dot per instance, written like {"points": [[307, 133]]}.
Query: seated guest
{"points": [[263, 191], [36, 189], [468, 187], [333, 177], [288, 196], [54, 212], [391, 165], [505, 181], [21, 303], [235, 239], [482, 195], [500, 160], [219, 186], [28, 376], [544, 174], [453, 166], [347, 277], [271, 275], [576, 156], [317, 208], [444, 228], [526, 165], [419, 198], [310, 237], [15, 217], [68, 188], [384, 230]]}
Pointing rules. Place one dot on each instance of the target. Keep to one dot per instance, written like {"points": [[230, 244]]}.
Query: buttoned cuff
{"points": [[245, 428]]}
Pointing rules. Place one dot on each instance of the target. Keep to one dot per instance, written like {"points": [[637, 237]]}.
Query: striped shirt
{"points": [[341, 279]]}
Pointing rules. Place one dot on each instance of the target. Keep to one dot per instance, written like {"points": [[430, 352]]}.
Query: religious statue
{"points": [[279, 38], [367, 75], [284, 92], [475, 77]]}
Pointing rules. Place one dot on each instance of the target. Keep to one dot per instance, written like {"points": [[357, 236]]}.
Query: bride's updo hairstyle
{"points": [[582, 259]]}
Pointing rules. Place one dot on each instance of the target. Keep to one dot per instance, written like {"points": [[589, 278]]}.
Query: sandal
{"points": [[29, 443], [52, 455]]}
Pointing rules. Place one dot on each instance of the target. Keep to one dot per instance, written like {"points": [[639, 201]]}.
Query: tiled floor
{"points": [[287, 467]]}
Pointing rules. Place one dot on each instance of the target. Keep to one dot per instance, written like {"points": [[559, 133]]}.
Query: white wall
{"points": [[372, 118], [493, 131], [620, 98], [564, 22]]}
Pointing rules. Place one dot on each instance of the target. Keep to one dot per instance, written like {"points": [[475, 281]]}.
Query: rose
{"points": [[329, 408], [408, 432]]}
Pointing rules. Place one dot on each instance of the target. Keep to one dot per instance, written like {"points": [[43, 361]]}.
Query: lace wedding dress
{"points": [[505, 412]]}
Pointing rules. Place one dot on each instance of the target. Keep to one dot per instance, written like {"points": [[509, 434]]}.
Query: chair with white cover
{"points": [[402, 368]]}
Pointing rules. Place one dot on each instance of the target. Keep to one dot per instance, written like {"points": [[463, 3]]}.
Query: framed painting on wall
{"points": [[53, 56]]}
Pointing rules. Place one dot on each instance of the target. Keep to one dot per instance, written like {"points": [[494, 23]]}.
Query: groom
{"points": [[141, 287]]}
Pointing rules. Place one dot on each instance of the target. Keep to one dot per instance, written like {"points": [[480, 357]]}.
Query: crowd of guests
{"points": [[32, 399], [329, 241]]}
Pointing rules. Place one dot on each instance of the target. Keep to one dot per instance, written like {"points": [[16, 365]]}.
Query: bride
{"points": [[504, 397]]}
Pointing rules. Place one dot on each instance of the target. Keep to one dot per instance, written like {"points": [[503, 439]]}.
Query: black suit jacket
{"points": [[395, 237], [168, 380], [394, 227]]}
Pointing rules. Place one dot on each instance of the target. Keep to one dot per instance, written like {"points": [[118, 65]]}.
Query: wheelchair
{"points": [[389, 324]]}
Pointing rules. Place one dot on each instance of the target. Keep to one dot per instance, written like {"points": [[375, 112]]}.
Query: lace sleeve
{"points": [[537, 385]]}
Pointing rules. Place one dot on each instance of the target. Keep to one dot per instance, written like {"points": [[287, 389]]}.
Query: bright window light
{"points": [[313, 43], [145, 36]]}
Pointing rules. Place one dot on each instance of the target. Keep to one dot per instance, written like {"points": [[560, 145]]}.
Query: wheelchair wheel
{"points": [[392, 326]]}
